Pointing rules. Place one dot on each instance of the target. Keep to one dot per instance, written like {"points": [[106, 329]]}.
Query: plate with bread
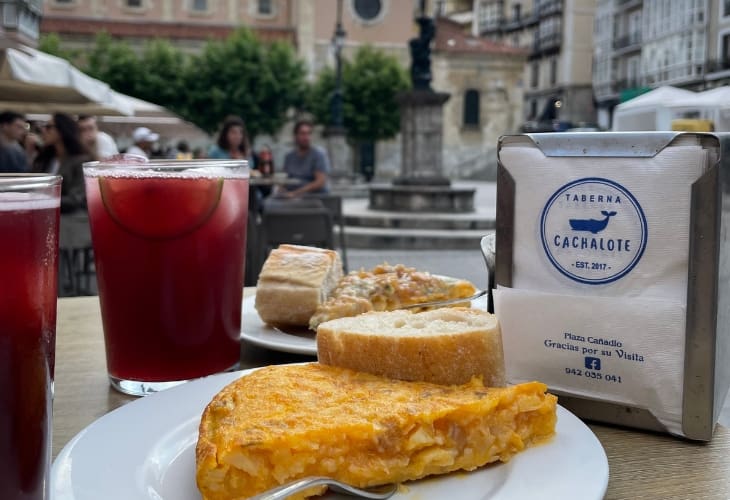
{"points": [[417, 399], [301, 287]]}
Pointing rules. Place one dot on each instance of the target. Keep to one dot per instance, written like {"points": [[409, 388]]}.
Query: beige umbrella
{"points": [[32, 81]]}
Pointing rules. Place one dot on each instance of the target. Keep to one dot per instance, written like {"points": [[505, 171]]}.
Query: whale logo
{"points": [[591, 225], [586, 247]]}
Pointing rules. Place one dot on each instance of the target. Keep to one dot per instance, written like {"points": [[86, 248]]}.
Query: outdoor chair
{"points": [[333, 203], [303, 221], [76, 257]]}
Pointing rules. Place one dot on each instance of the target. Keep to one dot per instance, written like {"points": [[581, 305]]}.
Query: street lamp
{"points": [[338, 41]]}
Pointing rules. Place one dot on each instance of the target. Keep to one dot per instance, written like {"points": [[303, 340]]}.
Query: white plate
{"points": [[302, 341], [255, 331], [145, 450]]}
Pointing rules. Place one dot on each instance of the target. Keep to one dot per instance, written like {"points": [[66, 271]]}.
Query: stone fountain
{"points": [[421, 186]]}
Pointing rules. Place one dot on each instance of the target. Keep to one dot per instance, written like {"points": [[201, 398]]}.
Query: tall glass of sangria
{"points": [[29, 211], [169, 243]]}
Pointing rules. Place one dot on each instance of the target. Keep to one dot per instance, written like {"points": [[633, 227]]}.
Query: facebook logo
{"points": [[593, 363]]}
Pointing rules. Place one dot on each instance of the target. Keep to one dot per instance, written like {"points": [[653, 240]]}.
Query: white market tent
{"points": [[713, 104], [32, 81], [157, 118], [651, 111]]}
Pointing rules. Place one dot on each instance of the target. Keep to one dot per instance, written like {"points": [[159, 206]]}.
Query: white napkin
{"points": [[661, 185], [601, 249], [563, 340]]}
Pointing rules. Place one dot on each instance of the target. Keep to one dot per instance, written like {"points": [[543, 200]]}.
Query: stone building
{"points": [[559, 37], [473, 70], [19, 22], [643, 44]]}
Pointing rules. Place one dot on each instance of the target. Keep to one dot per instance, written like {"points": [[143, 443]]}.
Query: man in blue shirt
{"points": [[307, 163]]}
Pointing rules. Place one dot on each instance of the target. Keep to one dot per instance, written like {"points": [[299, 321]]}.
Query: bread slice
{"points": [[294, 281], [282, 423], [443, 346]]}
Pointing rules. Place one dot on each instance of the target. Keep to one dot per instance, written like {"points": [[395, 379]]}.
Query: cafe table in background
{"points": [[642, 465]]}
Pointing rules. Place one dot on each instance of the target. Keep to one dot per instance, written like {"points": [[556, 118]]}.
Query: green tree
{"points": [[162, 78], [241, 76], [51, 44], [115, 63], [370, 83]]}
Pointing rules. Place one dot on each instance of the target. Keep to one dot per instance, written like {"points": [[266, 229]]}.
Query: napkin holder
{"points": [[707, 335]]}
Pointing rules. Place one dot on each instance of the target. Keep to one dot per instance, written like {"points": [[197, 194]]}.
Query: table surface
{"points": [[642, 465]]}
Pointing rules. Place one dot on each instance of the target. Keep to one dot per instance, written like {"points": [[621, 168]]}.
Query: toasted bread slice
{"points": [[281, 423], [442, 346], [294, 281]]}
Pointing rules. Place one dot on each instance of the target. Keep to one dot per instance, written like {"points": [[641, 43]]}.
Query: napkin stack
{"points": [[599, 278]]}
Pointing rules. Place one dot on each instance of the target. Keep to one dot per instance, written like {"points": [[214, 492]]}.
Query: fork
{"points": [[446, 302], [284, 491]]}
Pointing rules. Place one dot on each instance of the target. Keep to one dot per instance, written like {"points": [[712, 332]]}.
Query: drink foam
{"points": [[147, 172], [16, 202]]}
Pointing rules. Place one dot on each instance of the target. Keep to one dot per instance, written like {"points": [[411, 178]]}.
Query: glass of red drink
{"points": [[29, 211], [169, 243]]}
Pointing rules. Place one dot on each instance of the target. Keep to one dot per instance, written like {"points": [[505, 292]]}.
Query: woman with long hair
{"points": [[232, 141], [64, 154]]}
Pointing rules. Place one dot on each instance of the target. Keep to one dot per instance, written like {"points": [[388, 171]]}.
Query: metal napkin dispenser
{"points": [[612, 273]]}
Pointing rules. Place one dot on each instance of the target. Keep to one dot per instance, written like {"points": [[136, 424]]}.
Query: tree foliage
{"points": [[242, 76], [236, 76], [51, 44], [370, 83]]}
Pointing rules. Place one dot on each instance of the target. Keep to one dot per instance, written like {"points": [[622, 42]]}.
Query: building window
{"points": [[200, 5], [471, 108], [533, 109], [535, 74], [367, 10], [135, 4], [725, 48], [517, 11], [726, 8], [265, 8], [553, 71]]}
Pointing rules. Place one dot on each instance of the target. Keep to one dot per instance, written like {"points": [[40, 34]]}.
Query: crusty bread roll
{"points": [[294, 281], [443, 346]]}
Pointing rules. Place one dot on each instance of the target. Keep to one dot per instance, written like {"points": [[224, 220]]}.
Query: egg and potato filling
{"points": [[281, 423]]}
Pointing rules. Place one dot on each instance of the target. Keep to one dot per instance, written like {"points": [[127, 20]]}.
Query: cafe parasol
{"points": [[32, 81]]}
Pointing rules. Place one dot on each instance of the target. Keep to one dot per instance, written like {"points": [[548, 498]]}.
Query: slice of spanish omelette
{"points": [[285, 422]]}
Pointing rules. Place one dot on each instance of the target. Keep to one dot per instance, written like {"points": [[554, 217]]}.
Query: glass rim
{"points": [[20, 181], [165, 165]]}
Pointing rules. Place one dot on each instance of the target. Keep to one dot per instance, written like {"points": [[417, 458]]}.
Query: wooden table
{"points": [[642, 465]]}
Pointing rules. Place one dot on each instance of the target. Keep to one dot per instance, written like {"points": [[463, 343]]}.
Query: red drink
{"points": [[28, 271], [169, 249]]}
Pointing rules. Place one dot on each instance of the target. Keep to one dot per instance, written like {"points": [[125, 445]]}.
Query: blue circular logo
{"points": [[593, 231]]}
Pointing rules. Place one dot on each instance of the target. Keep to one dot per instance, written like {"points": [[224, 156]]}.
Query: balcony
{"points": [[626, 84], [717, 65], [630, 41], [622, 5], [545, 45], [550, 7]]}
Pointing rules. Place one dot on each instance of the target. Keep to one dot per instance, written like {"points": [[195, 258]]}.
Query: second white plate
{"points": [[259, 333]]}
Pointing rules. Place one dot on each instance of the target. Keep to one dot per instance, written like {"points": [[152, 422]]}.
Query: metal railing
{"points": [[632, 39]]}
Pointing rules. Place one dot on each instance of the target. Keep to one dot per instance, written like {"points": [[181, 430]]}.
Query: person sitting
{"points": [[144, 141], [307, 164], [98, 143], [232, 141], [12, 130], [183, 151], [63, 154]]}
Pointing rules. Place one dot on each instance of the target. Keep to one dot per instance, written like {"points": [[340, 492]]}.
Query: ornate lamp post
{"points": [[337, 147], [338, 41]]}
